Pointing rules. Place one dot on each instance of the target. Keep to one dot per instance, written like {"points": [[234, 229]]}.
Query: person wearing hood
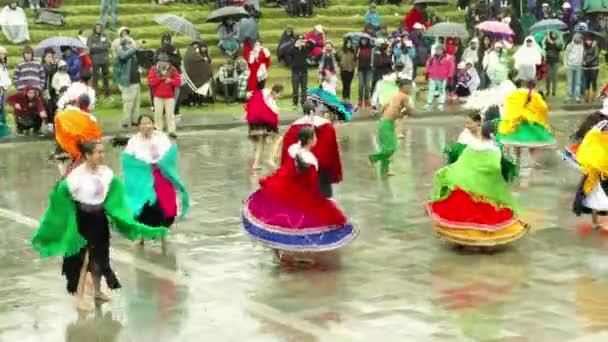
{"points": [[197, 73], [286, 43], [107, 7], [573, 61], [591, 67], [439, 69], [14, 23], [75, 90], [73, 62], [372, 17], [61, 79], [553, 46], [471, 53], [99, 50], [123, 32], [467, 81], [526, 59], [29, 72], [28, 109], [495, 65], [248, 27], [163, 79], [5, 82], [127, 77]]}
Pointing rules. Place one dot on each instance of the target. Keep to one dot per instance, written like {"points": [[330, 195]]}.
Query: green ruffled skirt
{"points": [[528, 134]]}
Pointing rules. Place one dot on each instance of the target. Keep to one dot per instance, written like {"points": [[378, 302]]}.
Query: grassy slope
{"points": [[345, 17]]}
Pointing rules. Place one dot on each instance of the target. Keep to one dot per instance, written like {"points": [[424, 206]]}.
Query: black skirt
{"points": [[578, 207], [93, 225], [153, 216], [259, 130]]}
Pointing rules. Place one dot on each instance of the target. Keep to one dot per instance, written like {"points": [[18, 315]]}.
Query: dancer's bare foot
{"points": [[390, 174], [101, 297], [400, 136], [84, 306], [371, 164], [138, 244]]}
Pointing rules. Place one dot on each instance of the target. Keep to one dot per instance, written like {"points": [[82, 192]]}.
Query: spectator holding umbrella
{"points": [[553, 46], [29, 72], [591, 67], [99, 50], [73, 62], [573, 61], [228, 35]]}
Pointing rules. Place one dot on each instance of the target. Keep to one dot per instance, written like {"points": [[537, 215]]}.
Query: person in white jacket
{"points": [[495, 64], [527, 57], [14, 23], [61, 78], [75, 90], [5, 82]]}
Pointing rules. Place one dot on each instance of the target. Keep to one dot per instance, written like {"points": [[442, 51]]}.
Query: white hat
{"points": [[319, 28], [566, 5], [409, 43], [462, 65], [418, 26], [3, 50], [62, 63], [604, 109], [545, 5]]}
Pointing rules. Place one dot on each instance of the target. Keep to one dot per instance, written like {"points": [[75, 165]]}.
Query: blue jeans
{"points": [[574, 77], [107, 7], [436, 88], [365, 80]]}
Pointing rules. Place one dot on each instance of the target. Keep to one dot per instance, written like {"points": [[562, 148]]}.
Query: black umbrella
{"points": [[220, 14], [431, 2]]}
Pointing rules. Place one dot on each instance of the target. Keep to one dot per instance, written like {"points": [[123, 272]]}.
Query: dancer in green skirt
{"points": [[398, 107]]}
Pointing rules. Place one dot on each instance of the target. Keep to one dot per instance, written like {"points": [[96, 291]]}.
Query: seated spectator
{"points": [[228, 35], [463, 81], [73, 62], [299, 8], [285, 45], [316, 38], [228, 81], [242, 70], [14, 23], [28, 109], [372, 17]]}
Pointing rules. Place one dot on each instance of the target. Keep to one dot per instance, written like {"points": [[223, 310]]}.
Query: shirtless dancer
{"points": [[398, 107]]}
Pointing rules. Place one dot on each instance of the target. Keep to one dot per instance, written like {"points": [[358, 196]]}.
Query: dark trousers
{"points": [[229, 91], [105, 72], [590, 79], [347, 80], [34, 122], [299, 85], [325, 183]]}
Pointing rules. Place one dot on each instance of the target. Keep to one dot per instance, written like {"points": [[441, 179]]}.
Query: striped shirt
{"points": [[29, 73]]}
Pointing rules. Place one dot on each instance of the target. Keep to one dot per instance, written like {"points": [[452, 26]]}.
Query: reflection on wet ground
{"points": [[397, 282]]}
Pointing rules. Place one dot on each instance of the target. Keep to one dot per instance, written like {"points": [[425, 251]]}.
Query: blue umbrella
{"points": [[321, 96], [355, 37], [548, 25]]}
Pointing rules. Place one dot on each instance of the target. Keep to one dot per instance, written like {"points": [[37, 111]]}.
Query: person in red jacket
{"points": [[416, 15], [326, 149], [28, 109], [163, 79]]}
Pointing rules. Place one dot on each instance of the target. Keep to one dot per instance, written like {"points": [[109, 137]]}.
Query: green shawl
{"points": [[477, 172], [58, 234], [508, 167], [139, 182]]}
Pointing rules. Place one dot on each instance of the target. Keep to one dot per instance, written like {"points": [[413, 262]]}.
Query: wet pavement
{"points": [[397, 282]]}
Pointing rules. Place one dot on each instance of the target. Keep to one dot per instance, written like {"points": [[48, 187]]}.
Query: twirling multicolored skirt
{"points": [[569, 156], [286, 227], [465, 219]]}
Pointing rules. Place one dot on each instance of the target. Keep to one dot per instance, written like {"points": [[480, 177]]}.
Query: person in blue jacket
{"points": [[73, 61]]}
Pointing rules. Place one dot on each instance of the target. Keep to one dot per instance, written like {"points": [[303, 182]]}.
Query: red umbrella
{"points": [[493, 26]]}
